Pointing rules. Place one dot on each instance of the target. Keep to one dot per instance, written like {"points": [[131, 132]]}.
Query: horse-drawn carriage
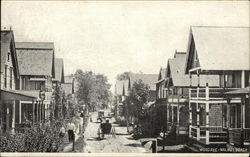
{"points": [[100, 116], [106, 128]]}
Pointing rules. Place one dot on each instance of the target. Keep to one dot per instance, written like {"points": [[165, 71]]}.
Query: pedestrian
{"points": [[71, 129], [62, 131]]}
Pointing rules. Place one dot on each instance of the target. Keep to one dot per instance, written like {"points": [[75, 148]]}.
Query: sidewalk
{"points": [[68, 147]]}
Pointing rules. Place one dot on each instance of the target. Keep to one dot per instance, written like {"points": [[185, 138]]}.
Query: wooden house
{"points": [[36, 68], [11, 111], [69, 85], [223, 51], [59, 72], [177, 90]]}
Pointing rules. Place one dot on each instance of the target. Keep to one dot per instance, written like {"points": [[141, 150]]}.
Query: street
{"points": [[121, 143]]}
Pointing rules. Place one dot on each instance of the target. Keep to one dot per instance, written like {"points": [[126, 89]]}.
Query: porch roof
{"points": [[19, 95]]}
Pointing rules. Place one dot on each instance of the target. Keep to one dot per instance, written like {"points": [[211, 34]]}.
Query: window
{"points": [[8, 56], [11, 78], [5, 76]]}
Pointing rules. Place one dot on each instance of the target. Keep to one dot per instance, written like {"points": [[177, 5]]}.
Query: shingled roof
{"points": [[221, 48], [59, 70], [7, 42], [35, 58], [148, 79], [179, 78]]}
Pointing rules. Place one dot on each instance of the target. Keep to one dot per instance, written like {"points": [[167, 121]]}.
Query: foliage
{"points": [[138, 97], [93, 89], [136, 108], [32, 139], [123, 76], [59, 101]]}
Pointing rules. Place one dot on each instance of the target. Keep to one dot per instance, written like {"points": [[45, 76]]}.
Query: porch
{"points": [[207, 93]]}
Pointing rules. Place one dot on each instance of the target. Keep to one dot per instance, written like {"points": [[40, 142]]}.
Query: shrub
{"points": [[32, 139]]}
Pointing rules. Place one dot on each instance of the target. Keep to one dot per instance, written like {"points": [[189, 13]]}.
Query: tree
{"points": [[93, 89], [136, 106], [123, 76]]}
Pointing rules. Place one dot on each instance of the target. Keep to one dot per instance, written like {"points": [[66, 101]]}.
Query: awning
{"points": [[19, 95]]}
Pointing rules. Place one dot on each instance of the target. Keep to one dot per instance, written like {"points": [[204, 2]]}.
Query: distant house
{"points": [[219, 115], [160, 85], [148, 79], [36, 67], [123, 87], [11, 111], [69, 85], [59, 72]]}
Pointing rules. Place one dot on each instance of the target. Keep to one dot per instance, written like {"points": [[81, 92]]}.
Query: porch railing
{"points": [[212, 92], [238, 136]]}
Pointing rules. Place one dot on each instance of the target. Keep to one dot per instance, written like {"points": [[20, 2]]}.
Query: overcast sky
{"points": [[112, 37]]}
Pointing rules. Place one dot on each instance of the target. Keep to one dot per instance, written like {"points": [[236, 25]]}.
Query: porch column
{"points": [[190, 118], [13, 117], [33, 112], [20, 112], [198, 109], [172, 110], [7, 116], [207, 114], [189, 106], [178, 117], [242, 79], [243, 113], [37, 111], [40, 111], [198, 120]]}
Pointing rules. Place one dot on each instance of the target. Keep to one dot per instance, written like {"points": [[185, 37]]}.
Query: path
{"points": [[122, 143]]}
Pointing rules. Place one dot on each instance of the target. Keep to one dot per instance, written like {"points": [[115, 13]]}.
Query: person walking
{"points": [[71, 129]]}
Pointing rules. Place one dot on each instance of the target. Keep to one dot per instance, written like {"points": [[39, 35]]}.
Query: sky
{"points": [[111, 37]]}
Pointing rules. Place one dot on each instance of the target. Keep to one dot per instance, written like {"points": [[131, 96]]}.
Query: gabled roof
{"points": [[176, 66], [35, 45], [148, 79], [59, 70], [180, 79], [161, 76], [221, 48], [35, 58], [7, 41]]}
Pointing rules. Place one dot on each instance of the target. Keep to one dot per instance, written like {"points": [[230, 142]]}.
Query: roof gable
{"points": [[220, 48], [34, 60], [148, 79], [59, 70], [7, 42]]}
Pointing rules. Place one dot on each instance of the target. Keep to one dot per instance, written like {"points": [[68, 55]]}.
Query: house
{"points": [[36, 67], [69, 85], [58, 101], [216, 116], [177, 88], [59, 72], [11, 111]]}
